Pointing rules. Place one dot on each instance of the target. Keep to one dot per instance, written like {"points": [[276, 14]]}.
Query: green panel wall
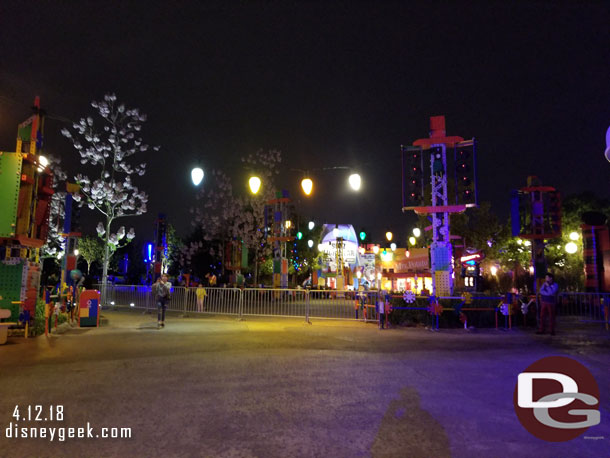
{"points": [[10, 176], [11, 279]]}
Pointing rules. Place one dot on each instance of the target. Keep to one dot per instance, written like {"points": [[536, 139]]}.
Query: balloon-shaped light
{"points": [[375, 249], [197, 175], [310, 243], [389, 235], [307, 186], [574, 236], [311, 225], [255, 184], [571, 248], [412, 240], [416, 231], [355, 181], [393, 246]]}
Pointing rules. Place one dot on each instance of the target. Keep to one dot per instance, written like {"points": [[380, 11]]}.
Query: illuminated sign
{"points": [[471, 257]]}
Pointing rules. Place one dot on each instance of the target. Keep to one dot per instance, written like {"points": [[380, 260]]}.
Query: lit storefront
{"points": [[404, 270]]}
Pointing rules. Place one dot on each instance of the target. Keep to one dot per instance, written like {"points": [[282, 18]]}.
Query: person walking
{"points": [[201, 294], [161, 291], [548, 302]]}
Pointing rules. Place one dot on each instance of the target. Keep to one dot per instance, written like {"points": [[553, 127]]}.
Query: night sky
{"points": [[328, 84]]}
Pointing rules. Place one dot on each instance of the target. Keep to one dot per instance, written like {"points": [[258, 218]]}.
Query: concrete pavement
{"points": [[214, 386]]}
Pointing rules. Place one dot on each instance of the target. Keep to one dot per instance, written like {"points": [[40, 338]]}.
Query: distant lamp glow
{"points": [[288, 224], [355, 181], [387, 256], [362, 235], [132, 305], [197, 175], [358, 274], [76, 252], [320, 247], [307, 186], [310, 243], [412, 240], [571, 248], [527, 243], [255, 184], [42, 163], [311, 225], [389, 235], [574, 236], [299, 235], [494, 270], [375, 249], [393, 246], [416, 232], [531, 270]]}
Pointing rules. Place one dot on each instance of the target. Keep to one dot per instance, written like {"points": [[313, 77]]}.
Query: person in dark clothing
{"points": [[161, 293]]}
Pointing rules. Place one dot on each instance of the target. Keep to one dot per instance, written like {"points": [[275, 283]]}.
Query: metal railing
{"points": [[347, 305], [587, 307]]}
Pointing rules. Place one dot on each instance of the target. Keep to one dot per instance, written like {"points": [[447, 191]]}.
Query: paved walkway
{"points": [[214, 386]]}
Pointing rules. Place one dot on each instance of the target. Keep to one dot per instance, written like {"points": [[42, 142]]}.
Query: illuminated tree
{"points": [[91, 249], [225, 213], [109, 148], [54, 242]]}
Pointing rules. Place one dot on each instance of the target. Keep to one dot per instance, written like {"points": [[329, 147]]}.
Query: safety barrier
{"points": [[480, 311], [586, 307], [345, 305]]}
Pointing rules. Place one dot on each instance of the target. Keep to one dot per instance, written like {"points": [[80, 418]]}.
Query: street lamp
{"points": [[255, 184], [574, 236], [197, 175], [307, 186], [571, 248], [355, 181]]}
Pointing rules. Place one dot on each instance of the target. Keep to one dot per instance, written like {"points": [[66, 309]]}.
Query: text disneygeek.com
{"points": [[39, 414], [61, 433]]}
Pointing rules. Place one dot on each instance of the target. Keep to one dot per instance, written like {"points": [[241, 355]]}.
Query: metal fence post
{"points": [[241, 305], [307, 307]]}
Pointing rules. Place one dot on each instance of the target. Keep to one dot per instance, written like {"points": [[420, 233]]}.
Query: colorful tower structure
{"points": [[536, 215], [427, 157], [25, 193], [276, 217]]}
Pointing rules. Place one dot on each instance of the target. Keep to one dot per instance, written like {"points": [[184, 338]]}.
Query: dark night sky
{"points": [[328, 84]]}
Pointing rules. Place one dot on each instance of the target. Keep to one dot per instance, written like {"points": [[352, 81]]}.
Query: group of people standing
{"points": [[161, 292]]}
